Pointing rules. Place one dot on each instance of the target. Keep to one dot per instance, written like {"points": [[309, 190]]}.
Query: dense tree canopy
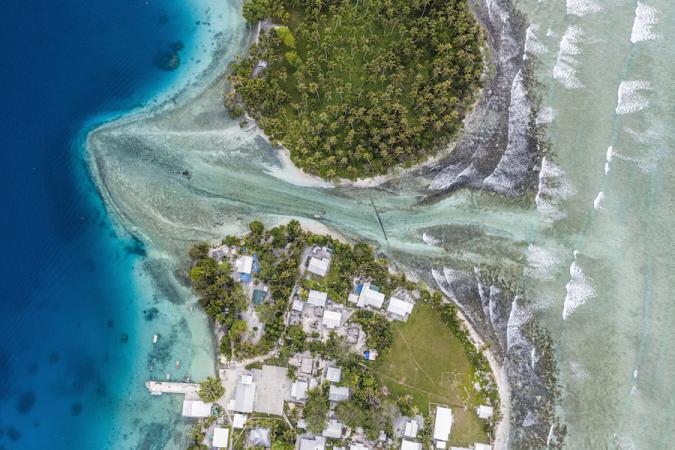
{"points": [[354, 87]]}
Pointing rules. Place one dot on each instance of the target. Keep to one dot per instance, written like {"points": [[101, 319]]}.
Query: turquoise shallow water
{"points": [[586, 258]]}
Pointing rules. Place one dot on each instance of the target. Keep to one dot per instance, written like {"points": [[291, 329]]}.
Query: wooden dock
{"points": [[172, 387]]}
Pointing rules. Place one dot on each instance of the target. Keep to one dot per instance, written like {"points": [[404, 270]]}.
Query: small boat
{"points": [[168, 376], [154, 338], [177, 364]]}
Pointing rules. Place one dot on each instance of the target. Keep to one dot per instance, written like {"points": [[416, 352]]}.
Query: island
{"points": [[324, 344], [353, 89]]}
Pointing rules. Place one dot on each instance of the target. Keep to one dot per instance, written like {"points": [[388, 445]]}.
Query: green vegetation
{"points": [[376, 327], [211, 390], [354, 87], [316, 410], [428, 363]]}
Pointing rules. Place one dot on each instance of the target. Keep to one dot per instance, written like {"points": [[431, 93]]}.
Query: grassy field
{"points": [[428, 362]]}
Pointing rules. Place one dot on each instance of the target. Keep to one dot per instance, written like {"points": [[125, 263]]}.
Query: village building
{"points": [[333, 430], [298, 305], [411, 428], [306, 365], [299, 390], [333, 374], [244, 266], [244, 396], [358, 446], [317, 443], [239, 421], [270, 381], [332, 319], [485, 412], [399, 309], [370, 297], [317, 298], [338, 393], [196, 408], [410, 445], [442, 426], [318, 266], [220, 437]]}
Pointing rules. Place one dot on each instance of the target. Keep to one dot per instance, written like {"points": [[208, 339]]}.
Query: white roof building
{"points": [[220, 437], [244, 264], [353, 298], [318, 443], [399, 309], [443, 424], [338, 393], [196, 408], [485, 412], [333, 430], [478, 446], [358, 446], [244, 396], [239, 421], [411, 428], [306, 365], [299, 390], [318, 266], [298, 305], [370, 297], [317, 298], [332, 319], [410, 445], [333, 374]]}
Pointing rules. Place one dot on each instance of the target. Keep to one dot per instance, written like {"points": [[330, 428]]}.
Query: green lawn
{"points": [[428, 362]]}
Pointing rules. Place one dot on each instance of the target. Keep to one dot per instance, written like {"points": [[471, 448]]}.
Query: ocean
{"points": [[76, 318]]}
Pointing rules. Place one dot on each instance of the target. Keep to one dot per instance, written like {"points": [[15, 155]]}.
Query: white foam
{"points": [[553, 189], [579, 290], [540, 262], [565, 69], [533, 357], [430, 240], [532, 44], [630, 97], [582, 7], [545, 116], [646, 17], [518, 317], [609, 154], [597, 203]]}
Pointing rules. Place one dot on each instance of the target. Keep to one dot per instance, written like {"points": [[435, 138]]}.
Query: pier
{"points": [[190, 390]]}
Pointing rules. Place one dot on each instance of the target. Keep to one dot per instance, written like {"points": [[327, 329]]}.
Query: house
{"points": [[358, 446], [299, 390], [244, 264], [353, 298], [318, 443], [306, 365], [317, 298], [244, 396], [369, 296], [410, 445], [484, 411], [399, 309], [334, 430], [318, 266], [411, 428], [332, 319], [478, 446], [239, 421], [196, 408], [442, 426], [370, 355], [298, 305], [338, 393], [333, 374], [220, 437]]}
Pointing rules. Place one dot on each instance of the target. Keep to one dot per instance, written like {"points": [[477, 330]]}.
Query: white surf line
{"points": [[646, 17], [582, 7], [565, 69], [630, 96]]}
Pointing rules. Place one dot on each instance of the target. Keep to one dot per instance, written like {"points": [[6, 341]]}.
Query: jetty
{"points": [[172, 387]]}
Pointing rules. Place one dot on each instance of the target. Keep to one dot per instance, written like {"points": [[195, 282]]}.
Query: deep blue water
{"points": [[68, 311]]}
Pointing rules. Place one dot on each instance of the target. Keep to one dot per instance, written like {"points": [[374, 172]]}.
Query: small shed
{"points": [[220, 437], [485, 412], [338, 393], [410, 445], [239, 421], [333, 430], [411, 428], [333, 374], [332, 319], [298, 305], [260, 437], [479, 446], [299, 390]]}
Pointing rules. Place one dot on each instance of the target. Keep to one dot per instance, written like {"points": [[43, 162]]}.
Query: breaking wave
{"points": [[630, 98], [532, 44], [579, 290], [565, 69], [553, 188], [646, 17], [582, 7], [540, 262], [597, 203]]}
